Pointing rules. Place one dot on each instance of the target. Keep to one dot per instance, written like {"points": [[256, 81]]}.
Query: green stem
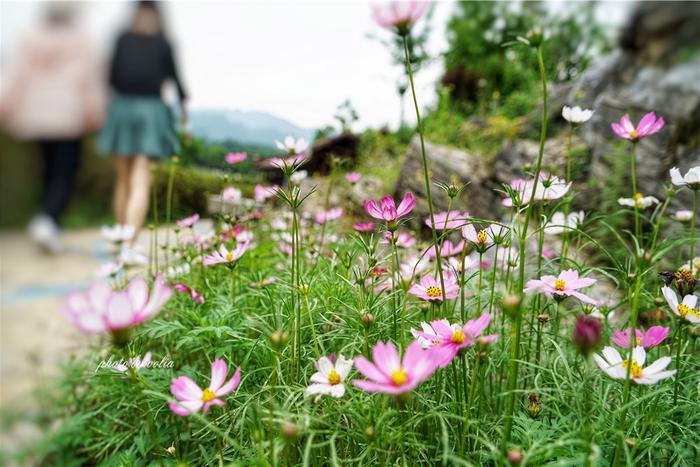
{"points": [[426, 174], [478, 289], [633, 174], [393, 286], [693, 227]]}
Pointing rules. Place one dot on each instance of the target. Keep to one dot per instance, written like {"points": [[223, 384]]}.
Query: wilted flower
{"points": [[430, 289], [560, 223], [187, 221], [389, 373], [235, 157], [576, 115], [648, 125], [101, 309], [225, 255], [586, 333], [448, 220], [330, 377], [196, 296], [638, 200], [686, 309], [191, 398], [612, 364], [399, 16], [353, 177], [651, 338], [387, 209], [691, 178], [561, 287]]}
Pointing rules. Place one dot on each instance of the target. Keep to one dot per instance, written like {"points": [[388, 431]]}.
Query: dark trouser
{"points": [[61, 161]]}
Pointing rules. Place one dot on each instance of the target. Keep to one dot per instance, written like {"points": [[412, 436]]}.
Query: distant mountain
{"points": [[256, 128]]}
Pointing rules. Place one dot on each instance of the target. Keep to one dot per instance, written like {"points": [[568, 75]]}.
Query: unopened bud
{"points": [[279, 339], [510, 303], [304, 289], [290, 430], [535, 36], [171, 450], [515, 457], [367, 319], [534, 407], [369, 432], [543, 318]]}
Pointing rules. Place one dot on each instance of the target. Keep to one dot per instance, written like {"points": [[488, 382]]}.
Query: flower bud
{"points": [[171, 450], [369, 432], [279, 339], [534, 407], [367, 319], [304, 289], [586, 333], [510, 303], [543, 318], [535, 36], [515, 457], [290, 430]]}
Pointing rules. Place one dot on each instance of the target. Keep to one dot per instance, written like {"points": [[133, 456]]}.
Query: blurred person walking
{"points": [[140, 127], [53, 95]]}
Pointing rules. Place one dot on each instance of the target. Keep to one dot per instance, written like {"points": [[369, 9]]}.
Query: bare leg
{"points": [[122, 167], [139, 192]]}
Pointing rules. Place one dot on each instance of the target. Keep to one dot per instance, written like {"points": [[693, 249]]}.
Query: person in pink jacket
{"points": [[53, 94]]}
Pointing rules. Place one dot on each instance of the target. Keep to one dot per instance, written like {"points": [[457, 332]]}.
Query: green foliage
{"points": [[381, 154]]}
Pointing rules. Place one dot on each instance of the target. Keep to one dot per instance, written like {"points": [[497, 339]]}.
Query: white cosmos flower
{"points": [[612, 364], [576, 114], [683, 215], [299, 175], [231, 195], [551, 188], [691, 178], [686, 309], [109, 269], [694, 267], [639, 200], [560, 223], [330, 378], [292, 146], [118, 233]]}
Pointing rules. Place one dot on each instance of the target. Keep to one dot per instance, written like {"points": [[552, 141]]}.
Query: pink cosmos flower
{"points": [[445, 340], [287, 162], [263, 283], [226, 256], [231, 195], [653, 337], [353, 177], [187, 221], [363, 227], [648, 125], [190, 397], [262, 193], [448, 220], [448, 249], [548, 188], [402, 239], [561, 287], [482, 239], [330, 215], [196, 296], [399, 15], [235, 157], [101, 309], [389, 374], [387, 210], [430, 289]]}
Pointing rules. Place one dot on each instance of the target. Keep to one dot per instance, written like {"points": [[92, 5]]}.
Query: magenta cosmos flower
{"points": [[561, 287], [101, 309], [187, 221], [387, 210], [389, 374], [651, 338], [648, 125], [447, 249], [226, 256], [448, 220], [190, 397], [430, 289], [445, 340], [235, 157], [194, 295], [399, 16]]}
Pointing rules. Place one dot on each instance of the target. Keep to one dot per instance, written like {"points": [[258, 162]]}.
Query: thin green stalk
{"points": [[462, 285], [679, 367], [633, 174], [493, 278], [693, 227], [169, 205], [426, 173], [393, 287], [478, 289]]}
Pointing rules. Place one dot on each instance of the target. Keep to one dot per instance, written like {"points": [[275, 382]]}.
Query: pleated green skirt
{"points": [[138, 125]]}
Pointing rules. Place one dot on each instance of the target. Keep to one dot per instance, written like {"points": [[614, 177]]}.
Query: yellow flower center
{"points": [[684, 310], [333, 378], [229, 256], [635, 371], [639, 341], [637, 196], [481, 236], [208, 395], [559, 284], [633, 133], [399, 377], [457, 337], [433, 291], [684, 275]]}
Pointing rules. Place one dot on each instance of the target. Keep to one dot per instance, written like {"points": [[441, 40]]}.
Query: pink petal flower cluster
{"points": [[448, 220], [651, 338], [226, 256], [187, 221], [445, 340], [194, 295], [387, 210], [399, 15], [648, 125], [190, 398], [566, 284], [330, 215], [430, 288], [548, 188], [101, 309], [447, 249], [235, 157], [391, 374]]}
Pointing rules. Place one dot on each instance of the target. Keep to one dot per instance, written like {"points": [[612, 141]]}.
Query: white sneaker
{"points": [[45, 233], [132, 256]]}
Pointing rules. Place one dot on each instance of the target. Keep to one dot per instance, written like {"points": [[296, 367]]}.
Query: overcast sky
{"points": [[297, 60]]}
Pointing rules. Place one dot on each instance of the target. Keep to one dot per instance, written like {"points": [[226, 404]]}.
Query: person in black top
{"points": [[140, 127]]}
